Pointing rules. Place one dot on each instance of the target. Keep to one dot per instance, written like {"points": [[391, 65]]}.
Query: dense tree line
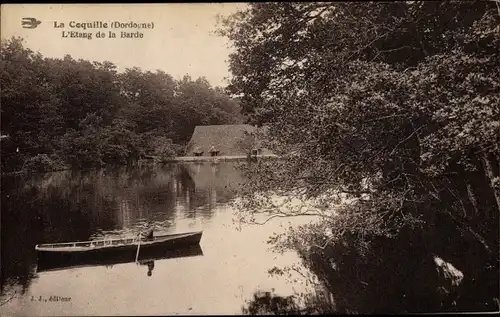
{"points": [[60, 113], [392, 104]]}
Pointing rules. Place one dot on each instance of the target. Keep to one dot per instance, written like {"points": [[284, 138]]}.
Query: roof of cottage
{"points": [[229, 140]]}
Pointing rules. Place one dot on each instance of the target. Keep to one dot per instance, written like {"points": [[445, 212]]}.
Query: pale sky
{"points": [[180, 42]]}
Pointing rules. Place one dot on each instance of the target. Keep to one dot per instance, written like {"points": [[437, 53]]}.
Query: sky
{"points": [[181, 41]]}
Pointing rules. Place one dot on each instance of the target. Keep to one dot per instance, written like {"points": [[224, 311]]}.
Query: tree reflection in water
{"points": [[86, 205], [392, 276], [268, 303]]}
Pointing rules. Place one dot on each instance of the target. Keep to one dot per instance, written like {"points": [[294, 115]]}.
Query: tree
{"points": [[150, 100], [200, 104], [89, 115], [165, 149], [83, 87], [29, 111], [42, 97], [393, 105], [82, 148]]}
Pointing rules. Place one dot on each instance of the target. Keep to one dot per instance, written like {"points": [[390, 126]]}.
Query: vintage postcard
{"points": [[250, 158]]}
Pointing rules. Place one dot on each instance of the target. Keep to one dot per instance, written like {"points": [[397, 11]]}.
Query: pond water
{"points": [[65, 206]]}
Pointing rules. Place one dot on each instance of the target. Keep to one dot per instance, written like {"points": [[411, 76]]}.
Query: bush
{"points": [[165, 149], [43, 163]]}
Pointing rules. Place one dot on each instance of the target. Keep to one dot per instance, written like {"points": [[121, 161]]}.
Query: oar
{"points": [[138, 246]]}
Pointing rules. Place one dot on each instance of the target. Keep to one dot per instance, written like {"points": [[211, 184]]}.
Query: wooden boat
{"points": [[70, 261], [168, 241]]}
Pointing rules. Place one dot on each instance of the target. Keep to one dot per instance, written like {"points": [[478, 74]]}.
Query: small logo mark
{"points": [[30, 23]]}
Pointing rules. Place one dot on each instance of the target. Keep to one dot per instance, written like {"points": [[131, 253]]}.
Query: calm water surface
{"points": [[74, 206]]}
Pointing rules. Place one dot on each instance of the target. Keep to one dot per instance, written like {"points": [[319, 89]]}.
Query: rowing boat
{"points": [[71, 261], [168, 241]]}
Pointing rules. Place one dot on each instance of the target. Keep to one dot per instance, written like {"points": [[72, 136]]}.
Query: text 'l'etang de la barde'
{"points": [[81, 29]]}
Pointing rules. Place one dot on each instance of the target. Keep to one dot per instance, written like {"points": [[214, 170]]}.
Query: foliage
{"points": [[90, 115], [165, 149], [42, 163], [392, 107]]}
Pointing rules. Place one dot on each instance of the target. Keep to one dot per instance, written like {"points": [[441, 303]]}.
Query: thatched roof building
{"points": [[226, 140]]}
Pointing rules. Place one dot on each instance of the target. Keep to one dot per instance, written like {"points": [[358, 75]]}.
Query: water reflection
{"points": [[270, 303], [264, 303], [406, 278], [76, 206], [150, 265], [49, 263], [111, 203]]}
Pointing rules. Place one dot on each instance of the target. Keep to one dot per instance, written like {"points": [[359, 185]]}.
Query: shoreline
{"points": [[152, 160], [223, 158]]}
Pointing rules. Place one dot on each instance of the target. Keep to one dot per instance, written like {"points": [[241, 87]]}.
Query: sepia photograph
{"points": [[246, 158]]}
